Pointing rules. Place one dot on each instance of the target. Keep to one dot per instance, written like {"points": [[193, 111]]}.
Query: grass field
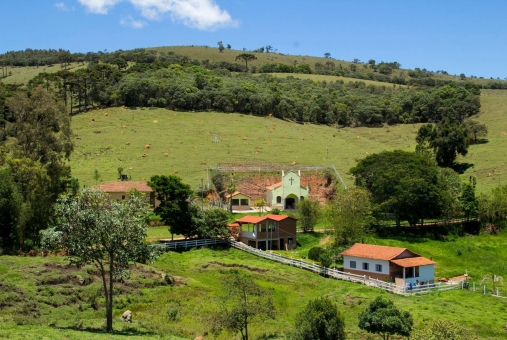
{"points": [[180, 143], [21, 75], [64, 309]]}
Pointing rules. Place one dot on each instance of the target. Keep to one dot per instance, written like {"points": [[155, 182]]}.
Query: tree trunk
{"points": [[246, 328], [109, 308], [107, 294]]}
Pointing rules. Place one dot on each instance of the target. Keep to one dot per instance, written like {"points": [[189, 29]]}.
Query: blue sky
{"points": [[456, 36]]}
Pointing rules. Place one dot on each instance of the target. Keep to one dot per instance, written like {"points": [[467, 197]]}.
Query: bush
{"points": [[173, 311], [320, 320], [315, 253], [275, 211]]}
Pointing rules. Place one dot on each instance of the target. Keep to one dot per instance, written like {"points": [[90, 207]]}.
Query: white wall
{"points": [[359, 264], [426, 273]]}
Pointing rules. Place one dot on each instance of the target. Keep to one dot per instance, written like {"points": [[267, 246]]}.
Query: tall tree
{"points": [[447, 139], [308, 212], [106, 233], [350, 215], [244, 302], [11, 206], [382, 317], [220, 46], [476, 130], [174, 208], [402, 183], [246, 57], [327, 55], [36, 154], [320, 320]]}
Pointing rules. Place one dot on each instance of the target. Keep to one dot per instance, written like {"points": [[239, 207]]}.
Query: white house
{"points": [[394, 264]]}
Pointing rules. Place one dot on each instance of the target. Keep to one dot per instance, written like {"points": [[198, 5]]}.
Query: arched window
{"points": [[278, 199], [301, 198]]}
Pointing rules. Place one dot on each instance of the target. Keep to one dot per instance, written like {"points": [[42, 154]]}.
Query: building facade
{"points": [[286, 194]]}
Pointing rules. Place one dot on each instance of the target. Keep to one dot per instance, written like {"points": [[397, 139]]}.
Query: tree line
{"points": [[192, 87]]}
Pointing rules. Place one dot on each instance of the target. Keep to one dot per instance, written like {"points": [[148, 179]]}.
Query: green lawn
{"points": [[40, 297]]}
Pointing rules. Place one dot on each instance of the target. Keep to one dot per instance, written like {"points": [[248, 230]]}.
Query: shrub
{"points": [[315, 253], [275, 211]]}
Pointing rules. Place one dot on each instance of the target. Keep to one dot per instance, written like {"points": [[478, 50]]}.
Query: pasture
{"points": [[68, 309], [182, 143]]}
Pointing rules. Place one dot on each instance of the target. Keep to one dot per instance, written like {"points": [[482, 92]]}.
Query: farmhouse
{"points": [[270, 232], [285, 195], [240, 201], [394, 264], [120, 191]]}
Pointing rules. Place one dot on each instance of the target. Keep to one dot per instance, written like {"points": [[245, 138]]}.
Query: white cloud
{"points": [[61, 6], [99, 6], [200, 14], [129, 21]]}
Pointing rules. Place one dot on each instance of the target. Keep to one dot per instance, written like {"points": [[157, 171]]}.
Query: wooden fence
{"points": [[315, 268]]}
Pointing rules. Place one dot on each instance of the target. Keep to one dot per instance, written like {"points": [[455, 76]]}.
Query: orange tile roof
{"points": [[251, 219], [413, 262], [276, 185], [123, 186], [236, 193], [278, 218], [371, 251], [233, 224]]}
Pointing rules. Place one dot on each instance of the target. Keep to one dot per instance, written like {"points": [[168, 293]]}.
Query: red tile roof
{"points": [[233, 224], [413, 262], [371, 251], [236, 193], [124, 186], [278, 218], [276, 185], [251, 219]]}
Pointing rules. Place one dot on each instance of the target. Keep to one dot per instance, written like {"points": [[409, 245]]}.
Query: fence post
{"points": [[484, 289], [364, 280], [474, 287]]}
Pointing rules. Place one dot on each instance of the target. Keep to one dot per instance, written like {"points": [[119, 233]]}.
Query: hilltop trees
{"points": [[246, 57], [97, 230]]}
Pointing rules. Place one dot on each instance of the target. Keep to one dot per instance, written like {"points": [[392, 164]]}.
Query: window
{"points": [[366, 266], [378, 268], [271, 227], [278, 199], [416, 271], [122, 197], [352, 264], [290, 240], [244, 201], [301, 198], [235, 201]]}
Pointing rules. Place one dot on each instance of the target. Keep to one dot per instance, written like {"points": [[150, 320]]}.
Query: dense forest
{"points": [[145, 78]]}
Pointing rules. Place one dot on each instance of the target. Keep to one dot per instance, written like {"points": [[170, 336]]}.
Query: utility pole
{"points": [[202, 194]]}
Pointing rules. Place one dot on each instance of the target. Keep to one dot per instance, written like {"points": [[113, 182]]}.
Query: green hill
{"points": [[181, 142]]}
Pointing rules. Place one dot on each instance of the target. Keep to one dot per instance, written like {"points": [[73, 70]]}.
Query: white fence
{"points": [[327, 272]]}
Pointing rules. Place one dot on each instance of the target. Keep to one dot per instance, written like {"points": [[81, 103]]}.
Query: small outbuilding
{"points": [[120, 191], [398, 265], [239, 201]]}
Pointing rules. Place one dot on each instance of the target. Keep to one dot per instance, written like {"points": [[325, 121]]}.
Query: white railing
{"points": [[321, 270], [185, 244]]}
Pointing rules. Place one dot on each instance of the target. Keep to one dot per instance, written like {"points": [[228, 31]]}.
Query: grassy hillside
{"points": [[65, 308], [214, 55], [21, 75], [181, 142]]}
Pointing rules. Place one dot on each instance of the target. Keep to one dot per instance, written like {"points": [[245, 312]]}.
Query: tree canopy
{"points": [[405, 184], [174, 207], [384, 318], [320, 320], [106, 233]]}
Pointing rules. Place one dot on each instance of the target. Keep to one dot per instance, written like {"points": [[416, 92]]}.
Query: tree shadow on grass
{"points": [[125, 332], [460, 168]]}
